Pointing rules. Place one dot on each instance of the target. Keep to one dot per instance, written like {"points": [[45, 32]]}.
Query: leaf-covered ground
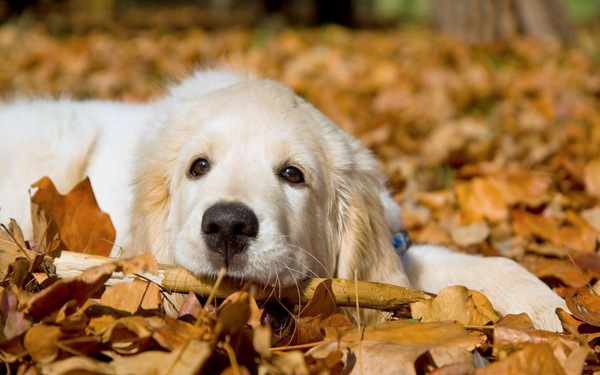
{"points": [[492, 150]]}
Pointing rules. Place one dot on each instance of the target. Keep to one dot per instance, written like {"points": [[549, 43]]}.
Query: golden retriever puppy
{"points": [[241, 173]]}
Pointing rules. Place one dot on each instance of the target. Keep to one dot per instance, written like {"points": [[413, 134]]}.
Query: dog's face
{"points": [[249, 190], [255, 180]]}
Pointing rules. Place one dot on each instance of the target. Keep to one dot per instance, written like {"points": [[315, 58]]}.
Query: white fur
{"points": [[336, 224]]}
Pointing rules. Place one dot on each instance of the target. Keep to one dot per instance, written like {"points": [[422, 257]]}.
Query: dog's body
{"points": [[240, 173]]}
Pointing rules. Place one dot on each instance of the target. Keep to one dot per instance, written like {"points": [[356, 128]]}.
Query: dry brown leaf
{"points": [[567, 351], [41, 342], [82, 225], [12, 322], [9, 250], [285, 363], [516, 321], [561, 269], [527, 224], [592, 217], [456, 303], [85, 285], [98, 325], [532, 359], [393, 347], [191, 306], [591, 177], [131, 297], [171, 334], [471, 234], [322, 304], [585, 305], [332, 363], [479, 199], [128, 335], [233, 314], [187, 360], [518, 185]]}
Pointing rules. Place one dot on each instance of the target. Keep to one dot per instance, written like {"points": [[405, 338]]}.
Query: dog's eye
{"points": [[293, 175], [199, 167]]}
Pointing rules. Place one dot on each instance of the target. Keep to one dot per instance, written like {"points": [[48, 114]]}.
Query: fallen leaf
{"points": [[471, 234], [131, 297], [585, 305], [591, 177], [560, 269], [233, 314], [516, 321], [480, 199], [82, 225], [41, 342], [85, 285], [532, 359], [393, 347], [12, 322], [128, 335], [11, 246], [456, 303]]}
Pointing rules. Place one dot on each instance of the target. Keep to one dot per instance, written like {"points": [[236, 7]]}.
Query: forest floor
{"points": [[491, 150]]}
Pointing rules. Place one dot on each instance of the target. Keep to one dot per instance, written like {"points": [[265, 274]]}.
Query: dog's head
{"points": [[254, 179]]}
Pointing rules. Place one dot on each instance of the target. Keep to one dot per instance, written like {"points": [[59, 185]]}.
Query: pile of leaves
{"points": [[490, 150]]}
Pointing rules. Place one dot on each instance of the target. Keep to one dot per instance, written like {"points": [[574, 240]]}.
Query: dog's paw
{"points": [[510, 288], [513, 290]]}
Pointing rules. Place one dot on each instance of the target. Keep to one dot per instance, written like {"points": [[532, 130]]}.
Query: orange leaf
{"points": [[41, 342], [133, 296], [585, 305], [532, 359], [591, 177], [82, 225], [479, 200]]}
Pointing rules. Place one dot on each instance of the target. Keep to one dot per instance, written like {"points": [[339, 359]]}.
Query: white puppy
{"points": [[243, 174]]}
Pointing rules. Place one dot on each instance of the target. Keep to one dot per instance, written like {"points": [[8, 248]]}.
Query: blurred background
{"points": [[484, 113]]}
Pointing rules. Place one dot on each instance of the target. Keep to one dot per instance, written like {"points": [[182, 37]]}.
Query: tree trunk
{"points": [[484, 21]]}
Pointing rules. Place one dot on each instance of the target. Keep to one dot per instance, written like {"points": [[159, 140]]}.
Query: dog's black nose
{"points": [[228, 228]]}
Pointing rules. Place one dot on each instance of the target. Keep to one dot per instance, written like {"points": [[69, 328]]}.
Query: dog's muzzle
{"points": [[228, 228]]}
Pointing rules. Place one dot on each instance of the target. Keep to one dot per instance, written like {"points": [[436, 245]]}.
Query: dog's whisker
{"points": [[294, 243], [291, 271], [308, 272]]}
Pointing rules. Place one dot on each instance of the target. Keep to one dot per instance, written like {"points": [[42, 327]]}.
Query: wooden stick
{"points": [[176, 279]]}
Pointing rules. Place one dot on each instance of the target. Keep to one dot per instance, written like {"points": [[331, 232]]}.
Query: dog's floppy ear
{"points": [[365, 238], [362, 211], [151, 203]]}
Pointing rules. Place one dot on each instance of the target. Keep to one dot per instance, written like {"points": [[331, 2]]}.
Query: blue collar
{"points": [[401, 242]]}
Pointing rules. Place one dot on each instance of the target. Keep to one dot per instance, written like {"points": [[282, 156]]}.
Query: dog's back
{"points": [[67, 141]]}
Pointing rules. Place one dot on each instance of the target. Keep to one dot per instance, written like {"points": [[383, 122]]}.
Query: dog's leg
{"points": [[509, 287]]}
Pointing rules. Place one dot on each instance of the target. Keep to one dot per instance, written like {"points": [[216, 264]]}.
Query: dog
{"points": [[238, 172]]}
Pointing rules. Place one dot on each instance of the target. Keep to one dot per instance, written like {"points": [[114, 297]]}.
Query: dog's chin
{"points": [[239, 268]]}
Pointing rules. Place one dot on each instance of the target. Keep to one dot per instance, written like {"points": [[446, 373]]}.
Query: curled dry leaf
{"points": [[532, 359], [516, 321], [83, 286], [591, 177], [128, 335], [83, 227], [12, 322], [187, 360], [12, 246], [456, 303], [585, 305], [131, 297], [561, 269], [479, 199], [393, 347], [41, 342], [233, 314], [471, 234]]}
